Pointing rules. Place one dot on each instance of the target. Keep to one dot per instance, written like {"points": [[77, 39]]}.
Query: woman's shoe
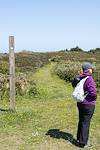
{"points": [[88, 146]]}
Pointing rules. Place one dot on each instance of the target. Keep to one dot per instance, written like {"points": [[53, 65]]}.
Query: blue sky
{"points": [[50, 25]]}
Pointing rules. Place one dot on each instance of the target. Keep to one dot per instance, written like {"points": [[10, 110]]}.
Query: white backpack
{"points": [[78, 93]]}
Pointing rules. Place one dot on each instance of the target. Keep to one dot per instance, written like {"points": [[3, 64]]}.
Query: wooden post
{"points": [[12, 72]]}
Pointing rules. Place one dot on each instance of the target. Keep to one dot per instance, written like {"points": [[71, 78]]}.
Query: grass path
{"points": [[56, 95], [49, 85], [45, 122]]}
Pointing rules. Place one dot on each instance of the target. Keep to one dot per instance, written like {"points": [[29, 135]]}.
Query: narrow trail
{"points": [[56, 106], [51, 85]]}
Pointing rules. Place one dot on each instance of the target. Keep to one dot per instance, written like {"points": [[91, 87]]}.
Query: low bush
{"points": [[23, 85], [4, 67], [68, 70], [56, 58]]}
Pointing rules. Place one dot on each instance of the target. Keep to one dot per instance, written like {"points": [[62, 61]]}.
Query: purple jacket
{"points": [[90, 87]]}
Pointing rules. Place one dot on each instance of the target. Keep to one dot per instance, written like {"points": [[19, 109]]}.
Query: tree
{"points": [[77, 49], [95, 50]]}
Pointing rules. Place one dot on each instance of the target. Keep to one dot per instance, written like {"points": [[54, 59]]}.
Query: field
{"points": [[46, 121], [30, 61]]}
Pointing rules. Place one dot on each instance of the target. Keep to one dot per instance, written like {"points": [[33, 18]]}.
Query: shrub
{"points": [[3, 85], [97, 78], [4, 67], [56, 58], [23, 85], [67, 70]]}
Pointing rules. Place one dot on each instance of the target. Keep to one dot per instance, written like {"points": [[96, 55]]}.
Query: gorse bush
{"points": [[23, 86], [29, 61], [3, 85], [56, 58], [4, 67], [97, 78], [68, 70], [24, 61]]}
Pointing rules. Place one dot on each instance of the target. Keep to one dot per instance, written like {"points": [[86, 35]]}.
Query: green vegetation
{"points": [[47, 121], [67, 70], [31, 61], [26, 64], [46, 116], [24, 85], [77, 49]]}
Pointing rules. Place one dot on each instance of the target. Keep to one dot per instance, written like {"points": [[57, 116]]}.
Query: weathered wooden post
{"points": [[12, 72]]}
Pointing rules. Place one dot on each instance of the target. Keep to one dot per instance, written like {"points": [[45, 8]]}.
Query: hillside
{"points": [[27, 63], [30, 61], [47, 121]]}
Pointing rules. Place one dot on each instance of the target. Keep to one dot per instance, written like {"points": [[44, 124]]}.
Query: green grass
{"points": [[52, 112]]}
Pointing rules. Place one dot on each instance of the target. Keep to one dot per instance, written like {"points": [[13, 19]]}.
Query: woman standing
{"points": [[87, 107]]}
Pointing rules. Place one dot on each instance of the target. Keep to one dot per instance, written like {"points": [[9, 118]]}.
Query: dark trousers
{"points": [[85, 115]]}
